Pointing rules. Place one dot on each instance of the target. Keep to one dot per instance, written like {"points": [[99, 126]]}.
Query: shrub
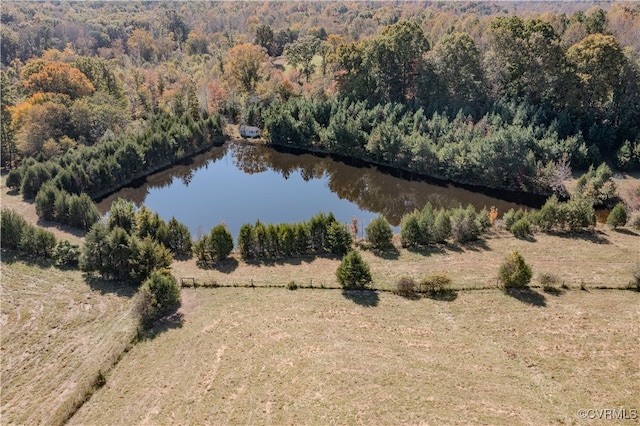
{"points": [[147, 255], [548, 281], [83, 212], [379, 234], [14, 179], [66, 253], [406, 286], [521, 229], [158, 294], [245, 242], [442, 227], [353, 272], [484, 220], [636, 277], [46, 201], [464, 227], [32, 179], [548, 215], [410, 230], [578, 213], [635, 220], [509, 219], [11, 227], [291, 285], [339, 238], [221, 242], [178, 238], [514, 272], [122, 214], [617, 216], [597, 184], [37, 242], [61, 207], [426, 222], [435, 284]]}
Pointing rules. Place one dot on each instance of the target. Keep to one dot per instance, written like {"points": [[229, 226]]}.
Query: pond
{"points": [[241, 182]]}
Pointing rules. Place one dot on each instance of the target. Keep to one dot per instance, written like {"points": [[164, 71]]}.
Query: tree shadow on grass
{"points": [[527, 295], [368, 298], [391, 253], [477, 245], [225, 266], [271, 261], [626, 232], [426, 250], [173, 320], [443, 295], [528, 238], [409, 295], [596, 237], [10, 257], [554, 291], [48, 224], [119, 288]]}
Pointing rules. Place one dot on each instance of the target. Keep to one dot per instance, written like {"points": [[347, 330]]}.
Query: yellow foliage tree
{"points": [[245, 65]]}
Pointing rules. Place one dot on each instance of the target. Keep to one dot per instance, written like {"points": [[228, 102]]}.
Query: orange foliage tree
{"points": [[58, 77]]}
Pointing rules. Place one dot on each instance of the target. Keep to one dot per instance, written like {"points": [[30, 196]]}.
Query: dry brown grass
{"points": [[57, 333], [600, 259], [273, 356]]}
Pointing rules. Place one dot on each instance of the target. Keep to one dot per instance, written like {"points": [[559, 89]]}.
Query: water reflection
{"points": [[216, 183]]}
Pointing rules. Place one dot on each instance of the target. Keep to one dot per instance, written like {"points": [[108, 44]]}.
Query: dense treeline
{"points": [[124, 63], [131, 245], [98, 169], [502, 150], [33, 241], [322, 234], [503, 122], [430, 226], [100, 94]]}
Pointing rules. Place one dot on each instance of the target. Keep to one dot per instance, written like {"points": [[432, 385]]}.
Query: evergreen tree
{"points": [[220, 242], [339, 238], [353, 272], [379, 234], [617, 217]]}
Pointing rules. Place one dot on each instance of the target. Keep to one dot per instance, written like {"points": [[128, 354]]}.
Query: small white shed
{"points": [[249, 131]]}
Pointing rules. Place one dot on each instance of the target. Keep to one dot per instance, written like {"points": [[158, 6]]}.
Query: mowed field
{"points": [[603, 258], [58, 331], [273, 356]]}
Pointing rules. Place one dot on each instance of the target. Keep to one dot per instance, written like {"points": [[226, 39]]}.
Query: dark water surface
{"points": [[240, 182]]}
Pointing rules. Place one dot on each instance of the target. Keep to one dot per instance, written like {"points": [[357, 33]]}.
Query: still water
{"points": [[241, 182]]}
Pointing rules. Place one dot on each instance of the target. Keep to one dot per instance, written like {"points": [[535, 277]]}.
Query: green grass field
{"points": [[273, 356]]}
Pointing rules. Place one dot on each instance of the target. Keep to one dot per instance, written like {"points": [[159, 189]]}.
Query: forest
{"points": [[489, 94]]}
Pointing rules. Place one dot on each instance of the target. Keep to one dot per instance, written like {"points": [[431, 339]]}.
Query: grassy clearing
{"points": [[600, 259], [57, 333], [273, 356]]}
